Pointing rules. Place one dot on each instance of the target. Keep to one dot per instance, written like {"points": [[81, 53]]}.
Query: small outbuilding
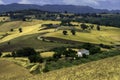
{"points": [[82, 52]]}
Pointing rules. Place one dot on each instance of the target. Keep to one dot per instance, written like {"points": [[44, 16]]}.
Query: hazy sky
{"points": [[106, 4]]}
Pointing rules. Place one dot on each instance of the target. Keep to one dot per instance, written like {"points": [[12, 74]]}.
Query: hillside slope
{"points": [[107, 69], [11, 71]]}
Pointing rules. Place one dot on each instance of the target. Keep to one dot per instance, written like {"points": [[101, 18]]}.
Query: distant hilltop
{"points": [[55, 8]]}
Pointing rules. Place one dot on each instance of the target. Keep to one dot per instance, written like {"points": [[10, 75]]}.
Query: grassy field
{"points": [[30, 41], [108, 35], [31, 30], [107, 69]]}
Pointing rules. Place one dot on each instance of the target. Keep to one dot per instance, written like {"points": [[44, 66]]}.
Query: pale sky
{"points": [[101, 4]]}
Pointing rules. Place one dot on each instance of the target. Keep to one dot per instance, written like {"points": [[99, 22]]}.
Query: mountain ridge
{"points": [[54, 8]]}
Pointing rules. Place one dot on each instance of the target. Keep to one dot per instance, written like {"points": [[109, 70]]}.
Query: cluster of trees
{"points": [[103, 19], [92, 48], [59, 52], [84, 27], [72, 31], [20, 30], [32, 55]]}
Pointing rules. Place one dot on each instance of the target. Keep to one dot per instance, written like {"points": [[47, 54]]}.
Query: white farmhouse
{"points": [[81, 52]]}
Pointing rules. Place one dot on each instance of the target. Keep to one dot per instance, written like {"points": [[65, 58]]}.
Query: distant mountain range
{"points": [[54, 8]]}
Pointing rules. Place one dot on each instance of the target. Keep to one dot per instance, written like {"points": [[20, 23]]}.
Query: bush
{"points": [[25, 52], [35, 58], [95, 50]]}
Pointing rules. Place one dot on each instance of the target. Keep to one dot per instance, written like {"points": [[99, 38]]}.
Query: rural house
{"points": [[81, 52]]}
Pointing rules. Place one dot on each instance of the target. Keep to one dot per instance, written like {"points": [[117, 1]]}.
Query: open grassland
{"points": [[27, 28], [17, 24], [107, 69]]}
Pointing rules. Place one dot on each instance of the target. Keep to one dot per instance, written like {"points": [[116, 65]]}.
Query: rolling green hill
{"points": [[32, 30]]}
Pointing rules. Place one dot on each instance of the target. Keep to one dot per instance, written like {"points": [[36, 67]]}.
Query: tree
{"points": [[73, 32], [0, 53], [84, 26], [20, 30], [98, 27], [35, 58], [65, 32]]}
